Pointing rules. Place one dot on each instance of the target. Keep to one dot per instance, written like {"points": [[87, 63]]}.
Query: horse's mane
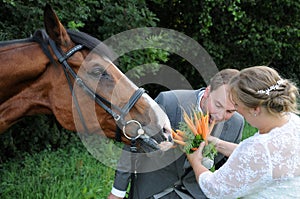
{"points": [[77, 37], [4, 43]]}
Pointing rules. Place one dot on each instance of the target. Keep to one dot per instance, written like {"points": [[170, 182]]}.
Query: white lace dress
{"points": [[262, 166]]}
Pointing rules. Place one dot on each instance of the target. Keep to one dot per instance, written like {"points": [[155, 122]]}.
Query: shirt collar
{"points": [[199, 97]]}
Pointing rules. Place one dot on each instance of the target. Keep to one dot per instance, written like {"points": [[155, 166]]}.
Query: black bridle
{"points": [[122, 112]]}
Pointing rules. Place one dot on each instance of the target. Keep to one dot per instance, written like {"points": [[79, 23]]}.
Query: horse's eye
{"points": [[98, 72]]}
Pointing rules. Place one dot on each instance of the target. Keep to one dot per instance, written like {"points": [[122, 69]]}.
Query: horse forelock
{"points": [[91, 43]]}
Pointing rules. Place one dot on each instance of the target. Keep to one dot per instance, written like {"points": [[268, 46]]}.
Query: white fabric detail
{"points": [[118, 193], [262, 166]]}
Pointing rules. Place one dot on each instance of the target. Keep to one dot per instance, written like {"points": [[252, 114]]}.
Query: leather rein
{"points": [[119, 118]]}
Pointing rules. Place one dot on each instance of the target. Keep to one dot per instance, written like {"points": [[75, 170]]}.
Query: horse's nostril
{"points": [[167, 135], [169, 138]]}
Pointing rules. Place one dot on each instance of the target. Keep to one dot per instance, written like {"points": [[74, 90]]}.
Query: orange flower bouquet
{"points": [[194, 130]]}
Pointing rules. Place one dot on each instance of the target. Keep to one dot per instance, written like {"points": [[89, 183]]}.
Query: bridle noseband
{"points": [[118, 117]]}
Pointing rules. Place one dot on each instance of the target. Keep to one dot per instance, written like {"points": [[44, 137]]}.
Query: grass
{"points": [[69, 172]]}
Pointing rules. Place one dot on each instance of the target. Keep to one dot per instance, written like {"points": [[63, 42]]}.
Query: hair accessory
{"points": [[271, 88]]}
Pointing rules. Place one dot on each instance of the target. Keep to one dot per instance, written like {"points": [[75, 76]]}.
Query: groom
{"points": [[177, 180]]}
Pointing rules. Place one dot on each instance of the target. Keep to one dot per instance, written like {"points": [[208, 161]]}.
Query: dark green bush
{"points": [[236, 34]]}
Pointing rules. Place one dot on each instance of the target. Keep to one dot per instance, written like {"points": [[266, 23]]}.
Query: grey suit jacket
{"points": [[147, 184]]}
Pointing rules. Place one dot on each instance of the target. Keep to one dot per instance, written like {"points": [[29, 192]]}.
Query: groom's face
{"points": [[219, 104]]}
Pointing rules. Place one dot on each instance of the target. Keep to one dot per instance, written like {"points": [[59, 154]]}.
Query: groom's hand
{"points": [[112, 196]]}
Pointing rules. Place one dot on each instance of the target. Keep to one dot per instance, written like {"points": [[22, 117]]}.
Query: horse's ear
{"points": [[54, 28]]}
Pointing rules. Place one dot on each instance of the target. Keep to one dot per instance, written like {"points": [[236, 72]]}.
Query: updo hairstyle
{"points": [[262, 86]]}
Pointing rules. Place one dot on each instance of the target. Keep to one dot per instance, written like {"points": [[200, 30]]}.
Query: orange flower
{"points": [[193, 130], [190, 123], [176, 136]]}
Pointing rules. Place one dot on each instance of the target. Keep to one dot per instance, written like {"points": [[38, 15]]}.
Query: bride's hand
{"points": [[196, 157]]}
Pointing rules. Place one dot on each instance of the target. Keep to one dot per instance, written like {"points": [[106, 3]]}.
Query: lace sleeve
{"points": [[248, 165]]}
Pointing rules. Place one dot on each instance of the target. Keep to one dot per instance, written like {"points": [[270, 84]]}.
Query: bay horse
{"points": [[71, 75]]}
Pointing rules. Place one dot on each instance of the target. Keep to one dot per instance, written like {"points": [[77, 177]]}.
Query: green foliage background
{"points": [[237, 34]]}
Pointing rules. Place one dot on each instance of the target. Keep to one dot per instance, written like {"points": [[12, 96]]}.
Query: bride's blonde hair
{"points": [[262, 86]]}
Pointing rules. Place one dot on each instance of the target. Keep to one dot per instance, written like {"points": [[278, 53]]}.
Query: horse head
{"points": [[91, 95]]}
